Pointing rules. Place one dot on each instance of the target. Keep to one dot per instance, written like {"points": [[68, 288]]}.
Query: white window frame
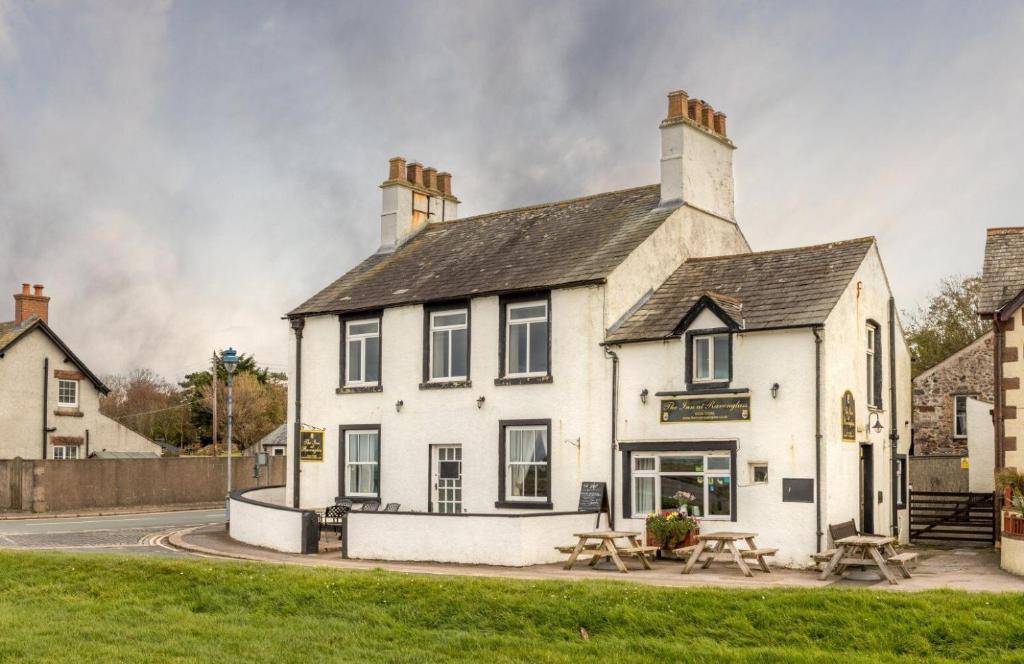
{"points": [[449, 329], [361, 338], [711, 358], [871, 347], [349, 492], [509, 496], [957, 397], [657, 475], [546, 318], [63, 452], [62, 382]]}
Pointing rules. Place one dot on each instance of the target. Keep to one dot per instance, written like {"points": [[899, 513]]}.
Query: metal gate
{"points": [[952, 517]]}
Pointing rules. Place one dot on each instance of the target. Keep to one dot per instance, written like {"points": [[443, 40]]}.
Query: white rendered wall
{"points": [[780, 431], [845, 368], [1012, 555], [696, 167], [266, 525], [474, 539], [981, 454]]}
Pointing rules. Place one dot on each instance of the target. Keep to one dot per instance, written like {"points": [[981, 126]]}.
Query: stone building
{"points": [[941, 397]]}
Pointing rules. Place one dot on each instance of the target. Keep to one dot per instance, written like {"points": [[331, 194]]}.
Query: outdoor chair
{"points": [[836, 531], [371, 506], [392, 507], [334, 519], [344, 502]]}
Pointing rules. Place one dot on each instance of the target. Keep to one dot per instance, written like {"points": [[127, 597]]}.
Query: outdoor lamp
{"points": [[398, 406], [230, 359], [643, 396], [775, 390], [877, 426], [480, 401]]}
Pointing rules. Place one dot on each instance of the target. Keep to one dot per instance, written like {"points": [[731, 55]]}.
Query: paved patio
{"points": [[970, 569]]}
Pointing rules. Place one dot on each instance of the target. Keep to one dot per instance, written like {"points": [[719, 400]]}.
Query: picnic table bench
{"points": [[869, 551], [601, 545], [721, 547]]}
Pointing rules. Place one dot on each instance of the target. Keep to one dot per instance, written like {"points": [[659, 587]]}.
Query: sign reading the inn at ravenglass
{"points": [[705, 409], [311, 445], [849, 417]]}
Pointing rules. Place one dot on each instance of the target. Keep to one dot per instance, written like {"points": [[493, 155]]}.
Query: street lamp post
{"points": [[230, 359]]}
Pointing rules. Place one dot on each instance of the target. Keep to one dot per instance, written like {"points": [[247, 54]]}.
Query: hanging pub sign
{"points": [[311, 445], [849, 417], [706, 409]]}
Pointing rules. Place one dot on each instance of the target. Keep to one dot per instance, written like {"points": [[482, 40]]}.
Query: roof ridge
{"points": [[537, 206], [790, 250]]}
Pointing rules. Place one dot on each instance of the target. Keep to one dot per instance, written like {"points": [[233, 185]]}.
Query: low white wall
{"points": [[262, 519], [981, 446], [507, 540], [1012, 555]]}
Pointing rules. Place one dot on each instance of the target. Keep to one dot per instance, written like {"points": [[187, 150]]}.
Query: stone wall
{"points": [[969, 371], [938, 473]]}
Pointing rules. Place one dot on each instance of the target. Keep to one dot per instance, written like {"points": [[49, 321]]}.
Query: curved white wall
{"points": [[265, 521]]}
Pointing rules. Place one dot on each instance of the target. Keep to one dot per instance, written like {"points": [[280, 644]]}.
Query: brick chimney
{"points": [[413, 196], [696, 156], [28, 303]]}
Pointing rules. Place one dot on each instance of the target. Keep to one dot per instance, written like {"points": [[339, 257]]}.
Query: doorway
{"points": [[867, 488], [446, 479]]}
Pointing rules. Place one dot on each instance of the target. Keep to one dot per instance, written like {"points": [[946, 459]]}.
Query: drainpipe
{"points": [[46, 387], [297, 325], [817, 435], [615, 416], [894, 434]]}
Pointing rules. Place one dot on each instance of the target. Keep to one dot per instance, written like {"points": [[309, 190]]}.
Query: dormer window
{"points": [[711, 361]]}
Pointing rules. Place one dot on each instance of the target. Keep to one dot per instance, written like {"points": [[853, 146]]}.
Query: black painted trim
{"points": [[503, 302], [706, 386], [343, 454], [703, 303], [343, 353], [447, 305], [683, 393], [521, 504], [627, 450]]}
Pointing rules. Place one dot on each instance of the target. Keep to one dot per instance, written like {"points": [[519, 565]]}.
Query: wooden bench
{"points": [[572, 547], [822, 557], [755, 553], [836, 531], [685, 551], [900, 561]]}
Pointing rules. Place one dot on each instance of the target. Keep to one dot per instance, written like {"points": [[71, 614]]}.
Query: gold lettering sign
{"points": [[849, 411], [706, 409], [311, 445]]}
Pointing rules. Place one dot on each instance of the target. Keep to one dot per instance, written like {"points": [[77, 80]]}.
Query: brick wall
{"points": [[969, 372]]}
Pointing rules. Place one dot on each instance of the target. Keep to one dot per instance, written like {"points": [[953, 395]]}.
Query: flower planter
{"points": [[1007, 497], [1013, 524]]}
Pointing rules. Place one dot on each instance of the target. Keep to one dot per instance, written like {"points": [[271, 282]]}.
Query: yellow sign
{"points": [[311, 445], [965, 463]]}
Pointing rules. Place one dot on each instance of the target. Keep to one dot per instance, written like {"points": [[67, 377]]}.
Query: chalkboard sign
{"points": [[593, 497], [311, 445]]}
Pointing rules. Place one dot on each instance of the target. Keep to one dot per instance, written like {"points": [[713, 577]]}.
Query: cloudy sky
{"points": [[180, 174]]}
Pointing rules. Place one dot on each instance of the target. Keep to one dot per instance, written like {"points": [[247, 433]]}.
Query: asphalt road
{"points": [[124, 533]]}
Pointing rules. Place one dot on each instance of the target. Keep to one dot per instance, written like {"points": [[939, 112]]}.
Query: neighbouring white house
{"points": [[49, 399], [478, 371]]}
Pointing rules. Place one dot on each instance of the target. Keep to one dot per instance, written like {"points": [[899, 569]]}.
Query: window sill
{"points": [[445, 384], [359, 389], [524, 380], [717, 388], [523, 505], [362, 499], [68, 412]]}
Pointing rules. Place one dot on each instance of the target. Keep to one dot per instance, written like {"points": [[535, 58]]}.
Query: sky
{"points": [[180, 174]]}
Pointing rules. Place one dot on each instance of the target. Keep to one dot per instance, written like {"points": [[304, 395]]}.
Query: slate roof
{"points": [[567, 243], [11, 333], [111, 454], [278, 436], [1002, 277], [768, 289]]}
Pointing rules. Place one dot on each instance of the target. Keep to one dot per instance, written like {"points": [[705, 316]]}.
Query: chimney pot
{"points": [[38, 290], [25, 289], [693, 109], [444, 183], [28, 304], [396, 168], [430, 177], [414, 173], [677, 104], [720, 123], [707, 114]]}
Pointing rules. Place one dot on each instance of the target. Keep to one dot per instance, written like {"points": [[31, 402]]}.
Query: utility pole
{"points": [[213, 429]]}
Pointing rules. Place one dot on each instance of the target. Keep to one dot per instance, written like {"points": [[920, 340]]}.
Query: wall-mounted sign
{"points": [[849, 411], [965, 463], [311, 445], [705, 409]]}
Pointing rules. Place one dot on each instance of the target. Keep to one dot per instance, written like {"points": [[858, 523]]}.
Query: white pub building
{"points": [[478, 371]]}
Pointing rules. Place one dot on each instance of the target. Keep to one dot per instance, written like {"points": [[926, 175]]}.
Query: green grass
{"points": [[56, 607]]}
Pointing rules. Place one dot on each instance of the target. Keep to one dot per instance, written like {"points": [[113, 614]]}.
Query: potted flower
{"points": [[1011, 482], [684, 499], [669, 531]]}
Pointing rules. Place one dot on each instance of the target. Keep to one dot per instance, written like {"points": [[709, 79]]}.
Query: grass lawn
{"points": [[57, 607]]}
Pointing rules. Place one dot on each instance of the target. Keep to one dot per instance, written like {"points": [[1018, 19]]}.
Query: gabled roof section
{"points": [[568, 243], [728, 310], [11, 333], [767, 290], [1002, 277]]}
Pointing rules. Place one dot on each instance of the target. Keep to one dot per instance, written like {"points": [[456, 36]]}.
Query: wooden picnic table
{"points": [[722, 547], [607, 548], [868, 551]]}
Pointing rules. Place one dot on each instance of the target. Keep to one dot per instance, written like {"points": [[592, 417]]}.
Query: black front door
{"points": [[867, 488]]}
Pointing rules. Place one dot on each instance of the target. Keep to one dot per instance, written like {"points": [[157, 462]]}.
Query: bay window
{"points": [[706, 476]]}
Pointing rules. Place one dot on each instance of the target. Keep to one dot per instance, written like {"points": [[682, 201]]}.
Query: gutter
{"points": [[894, 435], [297, 325], [615, 416], [817, 435]]}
